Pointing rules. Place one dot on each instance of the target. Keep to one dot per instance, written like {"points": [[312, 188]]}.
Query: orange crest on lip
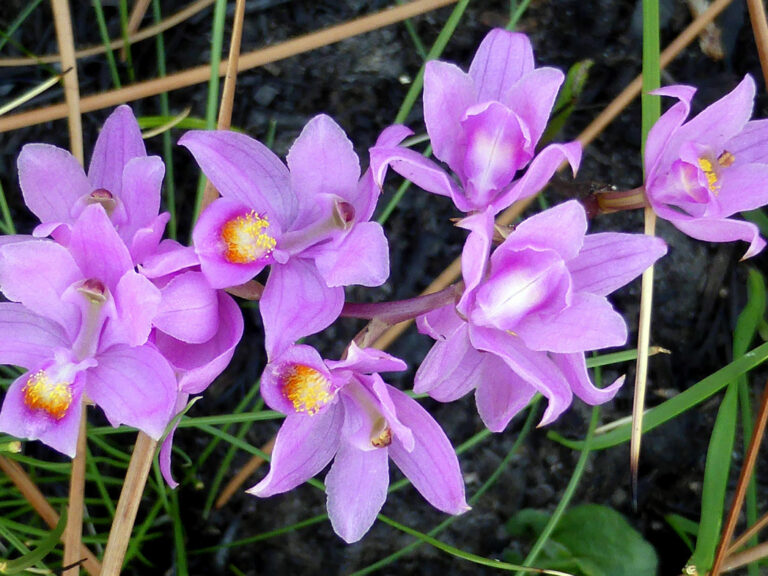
{"points": [[306, 388], [51, 397], [246, 238]]}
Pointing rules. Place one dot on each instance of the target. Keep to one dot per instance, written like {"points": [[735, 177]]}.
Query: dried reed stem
{"points": [[250, 60], [742, 540], [760, 32], [32, 494], [148, 32], [741, 487], [73, 532], [243, 474], [228, 94], [66, 41], [746, 557], [128, 504], [137, 15]]}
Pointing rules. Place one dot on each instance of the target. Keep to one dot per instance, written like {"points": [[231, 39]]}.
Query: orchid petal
{"points": [[141, 184], [568, 218], [188, 296], [303, 447], [356, 486], [169, 257], [751, 144], [448, 93], [244, 170], [501, 394], [296, 302], [137, 301], [474, 255], [742, 188], [134, 386], [723, 230], [501, 60], [440, 323], [588, 323], [28, 339], [367, 360], [119, 142], [166, 449], [532, 98], [362, 257], [432, 466], [610, 260], [666, 126], [574, 367], [51, 181]]}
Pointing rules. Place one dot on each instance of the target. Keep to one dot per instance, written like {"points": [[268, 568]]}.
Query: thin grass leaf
{"points": [[123, 4], [45, 546], [683, 528], [182, 568], [30, 94], [715, 483], [686, 400], [106, 41], [516, 12], [18, 21]]}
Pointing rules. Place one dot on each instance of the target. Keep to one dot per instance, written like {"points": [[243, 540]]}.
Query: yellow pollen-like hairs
{"points": [[709, 171], [726, 159], [246, 238], [306, 388], [42, 394]]}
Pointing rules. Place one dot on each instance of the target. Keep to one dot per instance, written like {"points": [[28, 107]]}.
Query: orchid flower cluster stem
{"points": [[102, 310]]}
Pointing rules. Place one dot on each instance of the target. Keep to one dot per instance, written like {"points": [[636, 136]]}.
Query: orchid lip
{"points": [[94, 290], [245, 238], [41, 392], [306, 388]]}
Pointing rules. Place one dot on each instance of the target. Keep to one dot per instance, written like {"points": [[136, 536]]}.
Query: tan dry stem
{"points": [[40, 505], [250, 60], [243, 474], [760, 32], [128, 504], [66, 41], [73, 532]]}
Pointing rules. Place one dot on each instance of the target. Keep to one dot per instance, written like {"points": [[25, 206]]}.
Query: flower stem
{"points": [[401, 310], [128, 505], [73, 533]]}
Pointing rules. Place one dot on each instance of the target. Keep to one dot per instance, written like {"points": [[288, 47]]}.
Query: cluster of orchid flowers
{"points": [[101, 310]]}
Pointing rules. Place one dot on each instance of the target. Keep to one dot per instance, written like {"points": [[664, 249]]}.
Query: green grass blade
{"points": [[105, 40], [126, 43], [18, 21], [45, 546], [665, 411]]}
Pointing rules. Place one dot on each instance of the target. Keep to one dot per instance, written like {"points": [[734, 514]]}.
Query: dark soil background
{"points": [[361, 82]]}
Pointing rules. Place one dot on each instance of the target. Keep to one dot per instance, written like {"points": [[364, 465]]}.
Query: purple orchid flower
{"points": [[309, 221], [343, 411], [79, 320], [121, 178], [701, 172], [485, 125], [528, 315]]}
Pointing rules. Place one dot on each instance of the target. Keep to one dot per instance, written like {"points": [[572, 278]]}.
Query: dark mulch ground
{"points": [[361, 82]]}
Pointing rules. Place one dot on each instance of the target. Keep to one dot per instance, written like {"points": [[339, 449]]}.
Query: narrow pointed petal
{"points": [[719, 121], [137, 301], [534, 367], [52, 181], [245, 170], [166, 449], [296, 303], [97, 248], [610, 260], [146, 241], [540, 170], [743, 188], [532, 98], [362, 257], [367, 360], [723, 230], [18, 420], [501, 394], [448, 92], [432, 465], [141, 189], [28, 339], [188, 309], [589, 323], [119, 142], [323, 161], [568, 218], [169, 257], [421, 171], [356, 486], [474, 255], [440, 323], [36, 273], [665, 127], [451, 368], [134, 386], [303, 447], [197, 365], [574, 367], [501, 60], [751, 144]]}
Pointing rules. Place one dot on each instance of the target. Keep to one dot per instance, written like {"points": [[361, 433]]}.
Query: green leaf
{"points": [[47, 544], [567, 98], [594, 540], [683, 528]]}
